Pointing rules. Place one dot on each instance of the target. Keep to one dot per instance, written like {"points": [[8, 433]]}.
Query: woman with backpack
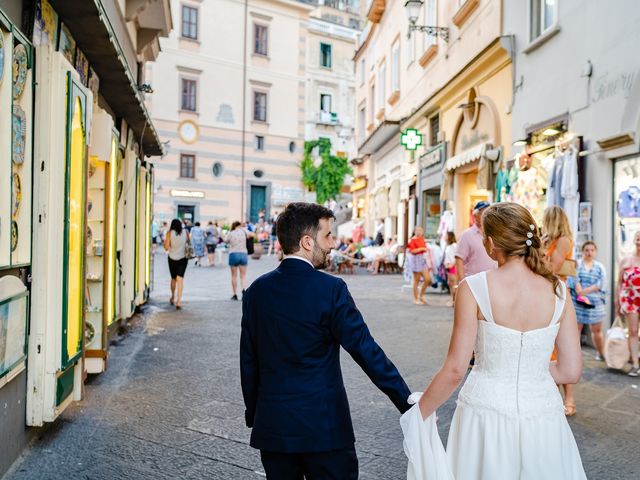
{"points": [[238, 239]]}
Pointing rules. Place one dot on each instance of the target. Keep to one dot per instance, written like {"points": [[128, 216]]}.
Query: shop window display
{"points": [[626, 207]]}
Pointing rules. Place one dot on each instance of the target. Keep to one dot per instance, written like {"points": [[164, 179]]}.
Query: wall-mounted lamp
{"points": [[145, 88], [413, 13]]}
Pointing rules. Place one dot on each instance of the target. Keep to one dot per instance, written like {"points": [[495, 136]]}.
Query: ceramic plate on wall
{"points": [[19, 132], [1, 55], [19, 70], [14, 235], [92, 168], [89, 205], [16, 195], [89, 238]]}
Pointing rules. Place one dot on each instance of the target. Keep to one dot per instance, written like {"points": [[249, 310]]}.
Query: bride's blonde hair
{"points": [[514, 231]]}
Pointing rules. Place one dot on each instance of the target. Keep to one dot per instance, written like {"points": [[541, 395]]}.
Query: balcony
{"points": [[376, 10], [327, 118]]}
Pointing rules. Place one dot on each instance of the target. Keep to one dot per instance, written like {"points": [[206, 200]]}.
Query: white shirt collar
{"points": [[298, 257]]}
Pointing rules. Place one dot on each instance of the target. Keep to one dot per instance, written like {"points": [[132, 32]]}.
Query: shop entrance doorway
{"points": [[258, 201], [187, 212]]}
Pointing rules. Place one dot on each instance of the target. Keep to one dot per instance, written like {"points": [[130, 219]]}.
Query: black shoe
{"points": [[235, 297]]}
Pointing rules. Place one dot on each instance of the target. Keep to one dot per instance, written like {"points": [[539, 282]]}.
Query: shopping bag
{"points": [[616, 346]]}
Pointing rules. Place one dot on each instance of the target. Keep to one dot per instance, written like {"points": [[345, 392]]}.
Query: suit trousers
{"points": [[333, 465]]}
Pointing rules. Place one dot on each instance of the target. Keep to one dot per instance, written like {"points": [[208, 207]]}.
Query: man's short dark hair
{"points": [[297, 220]]}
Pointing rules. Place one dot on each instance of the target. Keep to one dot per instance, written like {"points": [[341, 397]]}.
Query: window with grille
{"points": [[434, 123], [189, 92], [325, 55], [187, 165], [189, 22], [261, 37], [260, 106]]}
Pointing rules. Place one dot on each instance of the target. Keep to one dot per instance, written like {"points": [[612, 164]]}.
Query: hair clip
{"points": [[532, 227], [529, 243], [529, 235]]}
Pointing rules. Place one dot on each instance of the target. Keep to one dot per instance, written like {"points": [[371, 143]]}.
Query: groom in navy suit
{"points": [[294, 320]]}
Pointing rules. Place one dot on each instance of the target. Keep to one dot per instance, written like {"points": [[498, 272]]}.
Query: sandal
{"points": [[570, 410], [634, 372], [171, 300]]}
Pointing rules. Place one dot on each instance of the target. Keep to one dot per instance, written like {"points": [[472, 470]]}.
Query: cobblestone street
{"points": [[170, 404]]}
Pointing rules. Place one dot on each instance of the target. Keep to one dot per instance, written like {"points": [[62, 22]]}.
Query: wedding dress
{"points": [[509, 422]]}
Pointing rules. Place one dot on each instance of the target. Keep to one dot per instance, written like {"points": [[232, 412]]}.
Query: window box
{"points": [[464, 12], [428, 55]]}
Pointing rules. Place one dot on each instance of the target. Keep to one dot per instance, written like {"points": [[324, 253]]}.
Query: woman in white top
{"points": [[509, 421], [238, 256], [175, 243]]}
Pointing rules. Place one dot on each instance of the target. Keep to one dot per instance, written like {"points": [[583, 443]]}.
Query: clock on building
{"points": [[188, 131]]}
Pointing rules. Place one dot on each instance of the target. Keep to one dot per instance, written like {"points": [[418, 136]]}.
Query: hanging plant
{"points": [[327, 178]]}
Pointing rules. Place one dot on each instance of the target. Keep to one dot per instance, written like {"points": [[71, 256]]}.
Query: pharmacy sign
{"points": [[411, 139]]}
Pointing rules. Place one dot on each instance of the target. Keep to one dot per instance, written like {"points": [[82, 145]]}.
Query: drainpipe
{"points": [[244, 106]]}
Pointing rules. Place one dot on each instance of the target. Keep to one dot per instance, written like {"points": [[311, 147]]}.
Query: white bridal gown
{"points": [[509, 422]]}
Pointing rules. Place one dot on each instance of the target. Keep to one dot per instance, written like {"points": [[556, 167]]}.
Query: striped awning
{"points": [[468, 156]]}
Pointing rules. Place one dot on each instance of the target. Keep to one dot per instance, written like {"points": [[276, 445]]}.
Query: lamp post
{"points": [[413, 13]]}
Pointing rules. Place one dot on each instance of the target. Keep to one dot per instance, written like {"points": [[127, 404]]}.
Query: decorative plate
{"points": [[14, 235], [16, 195], [1, 55], [92, 168], [89, 205], [89, 238], [19, 70], [19, 132]]}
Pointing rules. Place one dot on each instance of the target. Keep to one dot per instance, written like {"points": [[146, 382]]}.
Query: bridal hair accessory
{"points": [[532, 227], [529, 242]]}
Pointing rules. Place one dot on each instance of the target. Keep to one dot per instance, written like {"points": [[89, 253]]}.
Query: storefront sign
{"points": [[608, 85], [433, 157], [359, 184], [187, 194], [474, 138]]}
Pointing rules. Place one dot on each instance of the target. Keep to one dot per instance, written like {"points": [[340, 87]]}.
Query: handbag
{"points": [[616, 346], [249, 241], [189, 253]]}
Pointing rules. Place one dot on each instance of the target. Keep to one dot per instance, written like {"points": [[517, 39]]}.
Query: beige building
{"points": [[234, 131], [442, 86]]}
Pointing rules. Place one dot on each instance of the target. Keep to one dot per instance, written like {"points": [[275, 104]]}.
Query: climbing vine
{"points": [[327, 178]]}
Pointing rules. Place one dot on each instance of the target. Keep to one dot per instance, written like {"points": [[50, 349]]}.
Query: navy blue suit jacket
{"points": [[294, 320]]}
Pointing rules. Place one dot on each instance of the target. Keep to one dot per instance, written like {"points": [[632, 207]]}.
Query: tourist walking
{"points": [[238, 256], [558, 245], [175, 243], [509, 421], [418, 266], [471, 257], [627, 299], [211, 238], [449, 260], [198, 240], [588, 294]]}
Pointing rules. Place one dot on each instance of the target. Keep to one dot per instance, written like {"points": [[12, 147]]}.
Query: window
{"points": [[259, 143], [434, 129], [325, 102], [543, 16], [261, 33], [292, 147], [372, 111], [187, 165], [431, 20], [362, 118], [189, 22], [382, 88], [260, 106], [325, 55], [363, 72], [189, 91], [218, 168], [395, 67], [411, 49]]}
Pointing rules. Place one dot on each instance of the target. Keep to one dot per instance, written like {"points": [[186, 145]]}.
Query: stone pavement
{"points": [[170, 405]]}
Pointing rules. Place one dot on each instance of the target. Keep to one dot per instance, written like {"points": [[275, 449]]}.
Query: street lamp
{"points": [[413, 13]]}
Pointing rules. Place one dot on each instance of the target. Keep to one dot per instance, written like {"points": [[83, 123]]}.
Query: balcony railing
{"points": [[328, 118]]}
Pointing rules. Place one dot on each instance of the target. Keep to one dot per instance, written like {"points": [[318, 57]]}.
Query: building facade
{"points": [[78, 140], [584, 111], [453, 88], [230, 109]]}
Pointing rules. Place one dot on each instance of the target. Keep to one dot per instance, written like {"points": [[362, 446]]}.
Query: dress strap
{"points": [[560, 301], [480, 291]]}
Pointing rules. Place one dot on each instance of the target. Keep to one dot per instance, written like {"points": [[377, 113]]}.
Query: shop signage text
{"points": [[187, 193], [473, 139], [433, 157], [609, 86], [358, 184]]}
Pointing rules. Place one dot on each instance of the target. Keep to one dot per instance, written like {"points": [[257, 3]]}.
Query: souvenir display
{"points": [[82, 66], [19, 70], [89, 205], [89, 333], [92, 168], [19, 132], [1, 55], [94, 84], [66, 44], [45, 25], [14, 235], [16, 194], [89, 238]]}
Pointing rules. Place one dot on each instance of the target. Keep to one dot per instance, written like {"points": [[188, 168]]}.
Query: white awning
{"points": [[468, 156]]}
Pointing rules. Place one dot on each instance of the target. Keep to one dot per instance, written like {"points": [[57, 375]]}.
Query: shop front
{"points": [[626, 207], [430, 212]]}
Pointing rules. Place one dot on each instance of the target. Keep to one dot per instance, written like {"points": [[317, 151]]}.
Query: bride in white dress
{"points": [[509, 422]]}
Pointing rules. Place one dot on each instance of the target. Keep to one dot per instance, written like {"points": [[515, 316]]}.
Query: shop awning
{"points": [[394, 198], [95, 34], [468, 156], [381, 135]]}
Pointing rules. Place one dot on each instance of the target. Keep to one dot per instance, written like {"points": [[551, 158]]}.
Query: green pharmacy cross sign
{"points": [[411, 139]]}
